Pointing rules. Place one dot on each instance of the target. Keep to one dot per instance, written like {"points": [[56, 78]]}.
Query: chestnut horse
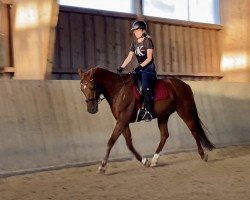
{"points": [[117, 89]]}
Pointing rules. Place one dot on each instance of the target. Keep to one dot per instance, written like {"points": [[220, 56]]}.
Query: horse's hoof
{"points": [[101, 170], [155, 160], [148, 164], [153, 164], [204, 157]]}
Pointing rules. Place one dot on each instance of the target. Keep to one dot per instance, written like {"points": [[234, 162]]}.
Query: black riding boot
{"points": [[149, 105]]}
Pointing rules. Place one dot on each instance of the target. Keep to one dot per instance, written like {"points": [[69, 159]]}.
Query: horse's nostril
{"points": [[92, 110]]}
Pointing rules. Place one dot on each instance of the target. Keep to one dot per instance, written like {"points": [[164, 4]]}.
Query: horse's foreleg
{"points": [[128, 137], [119, 128], [162, 124]]}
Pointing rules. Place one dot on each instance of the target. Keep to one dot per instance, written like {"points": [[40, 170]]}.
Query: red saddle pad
{"points": [[160, 91]]}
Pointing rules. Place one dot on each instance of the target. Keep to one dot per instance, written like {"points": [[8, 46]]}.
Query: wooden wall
{"points": [[86, 38], [25, 35], [235, 40]]}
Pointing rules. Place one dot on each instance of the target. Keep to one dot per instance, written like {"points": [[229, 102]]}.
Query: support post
{"points": [[138, 9]]}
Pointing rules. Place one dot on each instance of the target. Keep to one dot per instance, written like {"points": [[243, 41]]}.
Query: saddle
{"points": [[160, 89], [160, 93]]}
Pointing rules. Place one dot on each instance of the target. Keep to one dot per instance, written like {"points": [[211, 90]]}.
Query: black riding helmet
{"points": [[139, 25]]}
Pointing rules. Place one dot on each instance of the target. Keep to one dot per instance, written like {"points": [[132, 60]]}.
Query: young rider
{"points": [[142, 47]]}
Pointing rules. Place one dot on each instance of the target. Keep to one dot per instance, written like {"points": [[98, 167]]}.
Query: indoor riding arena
{"points": [[51, 147]]}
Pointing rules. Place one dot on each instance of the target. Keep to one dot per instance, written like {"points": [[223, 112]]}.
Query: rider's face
{"points": [[138, 33]]}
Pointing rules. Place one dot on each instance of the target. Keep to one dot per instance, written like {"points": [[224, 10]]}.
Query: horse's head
{"points": [[90, 90]]}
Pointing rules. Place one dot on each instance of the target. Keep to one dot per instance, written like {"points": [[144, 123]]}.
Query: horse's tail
{"points": [[200, 130], [186, 109]]}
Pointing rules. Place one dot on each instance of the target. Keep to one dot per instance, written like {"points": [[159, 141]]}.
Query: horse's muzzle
{"points": [[92, 109]]}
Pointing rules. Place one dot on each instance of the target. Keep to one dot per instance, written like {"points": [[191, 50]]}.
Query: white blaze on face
{"points": [[84, 87]]}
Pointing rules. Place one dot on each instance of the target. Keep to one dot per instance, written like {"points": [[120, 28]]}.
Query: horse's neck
{"points": [[111, 83]]}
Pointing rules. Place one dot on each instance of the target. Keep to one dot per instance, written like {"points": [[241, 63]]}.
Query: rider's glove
{"points": [[119, 70]]}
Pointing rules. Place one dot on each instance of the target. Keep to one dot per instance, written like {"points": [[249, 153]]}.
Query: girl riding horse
{"points": [[143, 48]]}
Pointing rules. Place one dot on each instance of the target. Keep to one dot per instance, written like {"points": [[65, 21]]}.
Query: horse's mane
{"points": [[99, 70], [110, 78]]}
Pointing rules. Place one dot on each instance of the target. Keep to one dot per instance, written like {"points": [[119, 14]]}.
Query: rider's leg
{"points": [[148, 79], [149, 101]]}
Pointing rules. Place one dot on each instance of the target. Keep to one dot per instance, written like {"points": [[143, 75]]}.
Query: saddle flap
{"points": [[161, 91]]}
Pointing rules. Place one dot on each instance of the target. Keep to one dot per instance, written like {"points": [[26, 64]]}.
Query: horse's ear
{"points": [[80, 72]]}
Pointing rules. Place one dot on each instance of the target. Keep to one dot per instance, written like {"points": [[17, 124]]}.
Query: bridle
{"points": [[98, 99]]}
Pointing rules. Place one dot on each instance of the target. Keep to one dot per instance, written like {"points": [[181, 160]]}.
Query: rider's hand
{"points": [[119, 70]]}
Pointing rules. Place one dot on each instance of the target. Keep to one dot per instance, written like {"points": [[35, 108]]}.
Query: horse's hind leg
{"points": [[192, 128], [128, 137], [188, 117], [162, 124]]}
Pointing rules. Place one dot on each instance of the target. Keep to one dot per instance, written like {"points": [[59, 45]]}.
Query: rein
{"points": [[124, 83]]}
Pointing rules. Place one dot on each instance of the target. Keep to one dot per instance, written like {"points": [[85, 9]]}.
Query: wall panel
{"points": [[111, 43], [89, 41], [77, 42], [201, 50], [158, 54], [89, 38], [165, 49], [100, 40], [181, 49], [208, 55], [187, 44], [65, 41]]}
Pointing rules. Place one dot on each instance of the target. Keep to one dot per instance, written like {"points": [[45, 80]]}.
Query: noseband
{"points": [[93, 99]]}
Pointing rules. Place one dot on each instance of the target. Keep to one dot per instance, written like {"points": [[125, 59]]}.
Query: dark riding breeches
{"points": [[148, 78]]}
